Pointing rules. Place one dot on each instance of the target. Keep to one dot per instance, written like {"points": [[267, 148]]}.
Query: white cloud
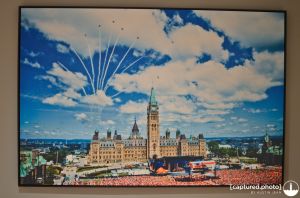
{"points": [[271, 65], [169, 117], [33, 54], [259, 29], [177, 19], [99, 99], [207, 119], [245, 130], [70, 25], [273, 129], [242, 120], [75, 80], [219, 105], [34, 65], [72, 94], [71, 83], [60, 99], [215, 90], [117, 100], [115, 58], [107, 122], [257, 110], [220, 125], [81, 117], [211, 83], [31, 97], [191, 40], [133, 107], [252, 110], [62, 48], [137, 53], [176, 104], [190, 118], [141, 122], [270, 125], [51, 79], [216, 112]]}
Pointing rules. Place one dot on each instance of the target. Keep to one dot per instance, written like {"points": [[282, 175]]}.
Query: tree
{"points": [[51, 171], [213, 147]]}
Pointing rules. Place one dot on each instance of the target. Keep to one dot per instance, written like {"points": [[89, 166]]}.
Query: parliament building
{"points": [[137, 149]]}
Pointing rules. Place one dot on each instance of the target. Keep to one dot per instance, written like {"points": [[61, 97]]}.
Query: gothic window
{"points": [[154, 146]]}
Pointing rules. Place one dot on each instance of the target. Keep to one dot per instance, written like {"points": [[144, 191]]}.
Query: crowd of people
{"points": [[260, 176], [223, 177], [128, 181]]}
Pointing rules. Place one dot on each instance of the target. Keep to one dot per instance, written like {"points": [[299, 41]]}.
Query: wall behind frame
{"points": [[8, 101]]}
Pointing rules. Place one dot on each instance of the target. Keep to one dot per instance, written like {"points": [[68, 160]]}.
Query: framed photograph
{"points": [[150, 97]]}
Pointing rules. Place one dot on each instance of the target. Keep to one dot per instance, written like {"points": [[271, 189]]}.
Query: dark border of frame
{"points": [[147, 8]]}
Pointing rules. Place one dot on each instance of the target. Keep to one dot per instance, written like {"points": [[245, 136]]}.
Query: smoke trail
{"points": [[115, 95], [125, 55], [64, 67], [99, 64], [132, 64], [84, 66], [105, 60], [107, 66], [91, 58]]}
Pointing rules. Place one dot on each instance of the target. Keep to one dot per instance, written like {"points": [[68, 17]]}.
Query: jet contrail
{"points": [[91, 58], [84, 66], [107, 66], [116, 94], [99, 64], [64, 67], [132, 64], [105, 60], [127, 68], [131, 46]]}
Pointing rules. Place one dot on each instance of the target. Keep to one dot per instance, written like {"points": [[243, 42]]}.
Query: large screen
{"points": [[150, 97]]}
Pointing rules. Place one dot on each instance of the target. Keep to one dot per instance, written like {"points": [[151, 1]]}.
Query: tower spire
{"points": [[153, 140], [135, 129], [153, 97]]}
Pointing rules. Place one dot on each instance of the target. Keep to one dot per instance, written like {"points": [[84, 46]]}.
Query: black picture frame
{"points": [[20, 184]]}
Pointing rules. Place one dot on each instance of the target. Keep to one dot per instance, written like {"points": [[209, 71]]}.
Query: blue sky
{"points": [[219, 73]]}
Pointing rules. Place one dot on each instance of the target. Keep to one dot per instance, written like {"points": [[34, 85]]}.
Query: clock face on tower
{"points": [[153, 126], [154, 108]]}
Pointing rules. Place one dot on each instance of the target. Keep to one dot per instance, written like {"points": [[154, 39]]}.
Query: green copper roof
{"points": [[275, 150], [40, 161], [23, 171], [27, 164], [153, 97]]}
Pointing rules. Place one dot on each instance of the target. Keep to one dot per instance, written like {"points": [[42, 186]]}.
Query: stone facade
{"points": [[137, 149]]}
